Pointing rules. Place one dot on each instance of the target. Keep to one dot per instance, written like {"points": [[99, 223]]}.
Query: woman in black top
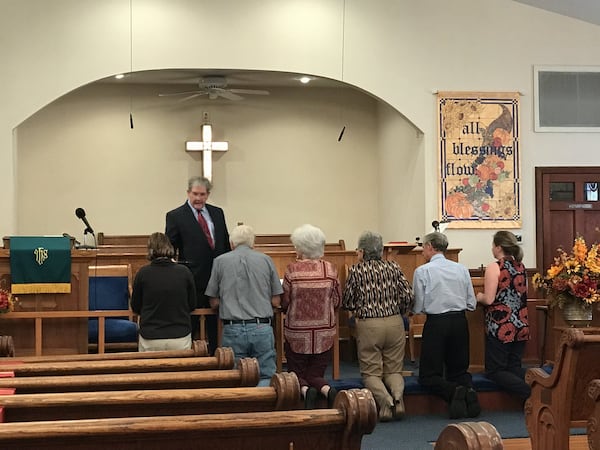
{"points": [[163, 296]]}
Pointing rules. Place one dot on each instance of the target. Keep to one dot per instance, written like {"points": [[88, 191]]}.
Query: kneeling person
{"points": [[244, 286]]}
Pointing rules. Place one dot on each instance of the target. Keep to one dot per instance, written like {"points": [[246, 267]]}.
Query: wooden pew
{"points": [[289, 247], [593, 424], [469, 436], [282, 394], [7, 346], [223, 359], [199, 348], [342, 427], [559, 401], [246, 375]]}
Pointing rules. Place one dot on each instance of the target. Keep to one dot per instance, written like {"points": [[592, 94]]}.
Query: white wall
{"points": [[284, 167], [399, 50]]}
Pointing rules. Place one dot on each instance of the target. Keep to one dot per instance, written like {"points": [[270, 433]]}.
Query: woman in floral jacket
{"points": [[311, 298], [507, 325]]}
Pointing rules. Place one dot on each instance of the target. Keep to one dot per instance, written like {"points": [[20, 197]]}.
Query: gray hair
{"points": [[242, 235], [309, 240], [371, 244], [437, 240], [199, 181]]}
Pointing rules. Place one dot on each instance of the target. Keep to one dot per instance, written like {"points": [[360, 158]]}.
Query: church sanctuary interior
{"points": [[394, 116]]}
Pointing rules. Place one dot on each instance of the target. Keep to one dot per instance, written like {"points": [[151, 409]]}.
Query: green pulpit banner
{"points": [[40, 264]]}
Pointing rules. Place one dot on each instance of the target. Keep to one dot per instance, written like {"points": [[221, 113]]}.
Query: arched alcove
{"points": [[288, 161]]}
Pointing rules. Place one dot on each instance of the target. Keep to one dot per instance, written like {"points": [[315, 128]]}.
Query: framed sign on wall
{"points": [[479, 159]]}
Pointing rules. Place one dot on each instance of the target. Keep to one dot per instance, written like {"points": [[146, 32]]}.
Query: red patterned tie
{"points": [[204, 226]]}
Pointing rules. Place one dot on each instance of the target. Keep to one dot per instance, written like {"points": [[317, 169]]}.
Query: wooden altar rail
{"points": [[142, 239], [342, 427], [39, 316], [282, 394], [199, 348], [245, 375]]}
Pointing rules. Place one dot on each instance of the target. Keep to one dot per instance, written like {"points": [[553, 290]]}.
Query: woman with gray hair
{"points": [[311, 297], [378, 294]]}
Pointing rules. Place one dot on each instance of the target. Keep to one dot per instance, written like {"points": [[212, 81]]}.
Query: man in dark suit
{"points": [[199, 234]]}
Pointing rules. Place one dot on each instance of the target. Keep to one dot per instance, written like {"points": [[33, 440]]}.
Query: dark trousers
{"points": [[309, 368], [444, 360], [503, 366]]}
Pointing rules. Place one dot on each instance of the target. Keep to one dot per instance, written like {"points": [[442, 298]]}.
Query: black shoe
{"points": [[331, 397], [398, 411], [473, 408], [458, 405], [310, 399], [386, 414]]}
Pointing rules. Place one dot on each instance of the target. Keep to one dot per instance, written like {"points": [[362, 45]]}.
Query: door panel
{"points": [[567, 207]]}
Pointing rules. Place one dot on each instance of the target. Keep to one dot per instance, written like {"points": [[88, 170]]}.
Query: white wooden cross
{"points": [[207, 146]]}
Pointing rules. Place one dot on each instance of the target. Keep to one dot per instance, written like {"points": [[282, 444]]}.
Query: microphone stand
{"points": [[88, 247]]}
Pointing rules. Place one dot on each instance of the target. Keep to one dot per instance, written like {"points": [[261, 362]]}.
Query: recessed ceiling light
{"points": [[305, 80], [119, 76]]}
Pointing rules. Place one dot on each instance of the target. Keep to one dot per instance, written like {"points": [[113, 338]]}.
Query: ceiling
{"points": [[586, 10], [235, 78]]}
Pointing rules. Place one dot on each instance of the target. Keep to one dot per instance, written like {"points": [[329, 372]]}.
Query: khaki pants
{"points": [[380, 344], [156, 345]]}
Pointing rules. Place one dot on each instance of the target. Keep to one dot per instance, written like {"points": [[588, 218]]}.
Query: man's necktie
{"points": [[204, 226]]}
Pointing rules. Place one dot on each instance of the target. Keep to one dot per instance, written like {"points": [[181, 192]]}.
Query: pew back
{"points": [[282, 394], [593, 425], [245, 375], [559, 400], [469, 436], [354, 414], [223, 359]]}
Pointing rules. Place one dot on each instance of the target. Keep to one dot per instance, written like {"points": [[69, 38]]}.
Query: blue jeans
{"points": [[252, 340]]}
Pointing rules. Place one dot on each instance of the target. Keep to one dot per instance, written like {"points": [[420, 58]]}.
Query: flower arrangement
{"points": [[573, 277], [7, 301]]}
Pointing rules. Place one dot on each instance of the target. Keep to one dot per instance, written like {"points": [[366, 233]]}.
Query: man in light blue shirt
{"points": [[444, 291]]}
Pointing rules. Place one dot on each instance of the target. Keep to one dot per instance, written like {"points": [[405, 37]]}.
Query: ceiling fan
{"points": [[215, 87]]}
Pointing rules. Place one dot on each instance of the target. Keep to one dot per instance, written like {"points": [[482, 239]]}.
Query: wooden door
{"points": [[568, 205]]}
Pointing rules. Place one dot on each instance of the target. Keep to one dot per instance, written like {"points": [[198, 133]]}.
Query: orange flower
{"points": [[572, 277], [580, 249], [485, 172]]}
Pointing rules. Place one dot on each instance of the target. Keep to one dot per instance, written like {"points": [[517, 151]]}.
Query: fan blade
{"points": [[182, 93], [227, 94], [249, 91], [185, 99]]}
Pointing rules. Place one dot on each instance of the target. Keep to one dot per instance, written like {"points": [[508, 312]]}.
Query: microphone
{"points": [[79, 212], [436, 225]]}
